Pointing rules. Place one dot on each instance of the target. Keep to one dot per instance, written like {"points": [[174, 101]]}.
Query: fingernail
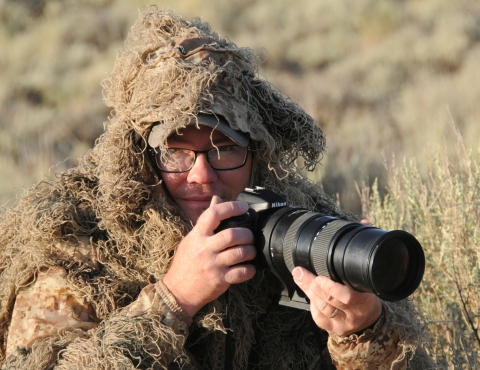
{"points": [[244, 206], [297, 273], [215, 200]]}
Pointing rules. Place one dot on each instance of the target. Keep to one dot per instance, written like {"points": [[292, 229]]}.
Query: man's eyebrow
{"points": [[177, 138], [180, 139]]}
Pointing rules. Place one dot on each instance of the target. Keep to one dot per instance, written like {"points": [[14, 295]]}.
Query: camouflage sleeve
{"points": [[53, 325], [157, 298], [378, 348], [46, 307]]}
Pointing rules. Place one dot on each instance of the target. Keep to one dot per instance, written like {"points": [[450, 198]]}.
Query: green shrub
{"points": [[442, 209]]}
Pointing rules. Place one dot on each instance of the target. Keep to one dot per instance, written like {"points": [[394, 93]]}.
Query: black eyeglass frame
{"points": [[196, 152]]}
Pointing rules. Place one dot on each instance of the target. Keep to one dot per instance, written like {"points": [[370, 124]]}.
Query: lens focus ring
{"points": [[321, 245], [290, 237]]}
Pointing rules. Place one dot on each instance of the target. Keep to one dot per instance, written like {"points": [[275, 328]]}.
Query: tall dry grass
{"points": [[443, 210]]}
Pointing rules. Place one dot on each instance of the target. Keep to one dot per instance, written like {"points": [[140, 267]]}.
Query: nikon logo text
{"points": [[278, 204]]}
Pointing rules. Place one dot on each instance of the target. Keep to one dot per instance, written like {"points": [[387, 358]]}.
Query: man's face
{"points": [[193, 190]]}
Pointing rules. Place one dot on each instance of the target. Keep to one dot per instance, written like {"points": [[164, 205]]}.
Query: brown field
{"points": [[394, 84]]}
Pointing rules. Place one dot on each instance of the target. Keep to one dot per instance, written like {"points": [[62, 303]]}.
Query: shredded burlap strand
{"points": [[100, 222]]}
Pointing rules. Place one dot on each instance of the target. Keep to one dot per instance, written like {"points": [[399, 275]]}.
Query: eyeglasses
{"points": [[222, 158]]}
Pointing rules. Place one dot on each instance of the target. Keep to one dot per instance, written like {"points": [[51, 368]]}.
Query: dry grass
{"points": [[443, 212]]}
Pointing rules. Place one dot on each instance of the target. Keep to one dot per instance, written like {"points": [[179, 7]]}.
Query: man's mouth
{"points": [[200, 201], [200, 198]]}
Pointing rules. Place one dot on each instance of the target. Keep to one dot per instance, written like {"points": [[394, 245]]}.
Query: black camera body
{"points": [[389, 264]]}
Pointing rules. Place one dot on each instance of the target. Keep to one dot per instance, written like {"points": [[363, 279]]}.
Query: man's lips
{"points": [[198, 197], [198, 200], [195, 199]]}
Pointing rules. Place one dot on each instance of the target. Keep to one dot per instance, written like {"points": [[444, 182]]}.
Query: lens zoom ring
{"points": [[289, 238], [321, 245]]}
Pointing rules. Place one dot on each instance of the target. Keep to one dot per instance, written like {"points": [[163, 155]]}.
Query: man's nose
{"points": [[202, 172]]}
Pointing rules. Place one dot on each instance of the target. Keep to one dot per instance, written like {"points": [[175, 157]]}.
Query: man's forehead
{"points": [[193, 133], [216, 124]]}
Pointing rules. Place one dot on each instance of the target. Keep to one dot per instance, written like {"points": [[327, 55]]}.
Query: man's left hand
{"points": [[335, 307]]}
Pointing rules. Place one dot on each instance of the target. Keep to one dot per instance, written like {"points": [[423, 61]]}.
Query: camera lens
{"points": [[390, 265], [368, 259]]}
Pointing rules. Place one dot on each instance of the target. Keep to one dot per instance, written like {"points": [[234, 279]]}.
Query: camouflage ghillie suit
{"points": [[82, 257]]}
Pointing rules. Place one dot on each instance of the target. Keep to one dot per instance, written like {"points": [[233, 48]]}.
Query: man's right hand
{"points": [[206, 264]]}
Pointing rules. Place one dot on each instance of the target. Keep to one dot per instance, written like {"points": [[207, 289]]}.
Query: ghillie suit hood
{"points": [[101, 223]]}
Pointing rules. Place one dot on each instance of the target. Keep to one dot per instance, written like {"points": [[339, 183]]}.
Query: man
{"points": [[200, 275], [117, 263]]}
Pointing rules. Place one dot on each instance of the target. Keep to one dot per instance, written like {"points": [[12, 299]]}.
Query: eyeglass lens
{"points": [[219, 158]]}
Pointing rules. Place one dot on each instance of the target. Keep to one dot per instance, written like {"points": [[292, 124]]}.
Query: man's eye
{"points": [[175, 151], [228, 148]]}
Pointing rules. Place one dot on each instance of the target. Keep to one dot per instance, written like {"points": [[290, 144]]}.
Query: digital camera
{"points": [[389, 264]]}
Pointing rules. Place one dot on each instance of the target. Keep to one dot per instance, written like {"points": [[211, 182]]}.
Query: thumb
{"points": [[302, 277]]}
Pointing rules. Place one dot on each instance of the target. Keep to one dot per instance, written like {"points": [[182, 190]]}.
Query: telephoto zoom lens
{"points": [[389, 264]]}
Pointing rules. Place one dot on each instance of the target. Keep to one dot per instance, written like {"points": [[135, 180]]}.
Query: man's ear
{"points": [[253, 171], [149, 173], [159, 193]]}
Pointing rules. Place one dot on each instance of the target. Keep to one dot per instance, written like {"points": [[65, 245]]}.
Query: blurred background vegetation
{"points": [[384, 79], [381, 77], [442, 210]]}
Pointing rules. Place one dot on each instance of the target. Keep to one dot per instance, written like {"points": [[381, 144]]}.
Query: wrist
{"points": [[372, 325], [171, 302], [188, 307]]}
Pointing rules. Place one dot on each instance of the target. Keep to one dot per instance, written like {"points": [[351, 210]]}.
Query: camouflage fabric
{"points": [[45, 308], [51, 305], [376, 348]]}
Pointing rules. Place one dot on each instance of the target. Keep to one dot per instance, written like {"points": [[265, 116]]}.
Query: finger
{"points": [[236, 236], [320, 304], [236, 254], [304, 279], [346, 298], [229, 238], [325, 310], [213, 215], [317, 288], [216, 200], [239, 273], [365, 222], [334, 293]]}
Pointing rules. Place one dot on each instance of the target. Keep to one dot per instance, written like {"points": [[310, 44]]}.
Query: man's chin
{"points": [[192, 212], [193, 216]]}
